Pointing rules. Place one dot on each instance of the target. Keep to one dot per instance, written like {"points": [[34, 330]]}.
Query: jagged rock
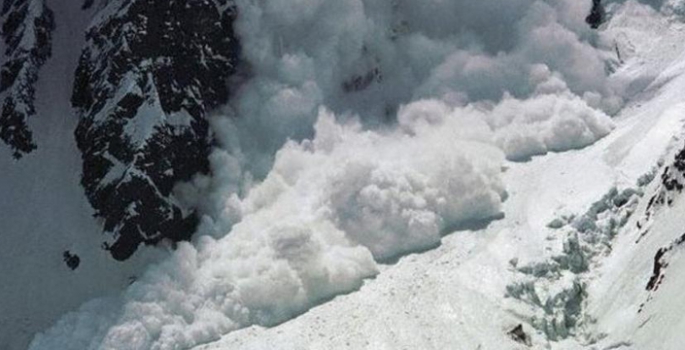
{"points": [[72, 260], [27, 27], [671, 186], [657, 274], [661, 263], [597, 14], [150, 72], [519, 335]]}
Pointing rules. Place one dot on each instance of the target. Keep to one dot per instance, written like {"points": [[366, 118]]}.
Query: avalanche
{"points": [[579, 231], [367, 131]]}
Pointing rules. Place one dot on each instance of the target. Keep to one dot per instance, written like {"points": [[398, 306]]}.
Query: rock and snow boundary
{"points": [[332, 206]]}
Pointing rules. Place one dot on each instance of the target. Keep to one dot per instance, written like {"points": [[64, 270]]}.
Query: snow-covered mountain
{"points": [[92, 93], [324, 174], [148, 75]]}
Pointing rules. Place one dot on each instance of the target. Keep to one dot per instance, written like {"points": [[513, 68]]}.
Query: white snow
{"points": [[548, 122], [332, 207], [452, 297]]}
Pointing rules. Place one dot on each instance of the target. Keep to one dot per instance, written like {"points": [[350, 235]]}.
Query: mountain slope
{"points": [[148, 75], [127, 117], [44, 212], [454, 296], [27, 27], [524, 208]]}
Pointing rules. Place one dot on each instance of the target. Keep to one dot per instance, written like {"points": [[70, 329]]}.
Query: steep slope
{"points": [[636, 295], [135, 102], [43, 211], [527, 264], [148, 75], [637, 298], [585, 294], [27, 27], [335, 208]]}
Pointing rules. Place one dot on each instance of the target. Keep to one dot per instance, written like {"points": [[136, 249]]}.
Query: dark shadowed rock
{"points": [[597, 14], [147, 77], [519, 335], [72, 260], [27, 27]]}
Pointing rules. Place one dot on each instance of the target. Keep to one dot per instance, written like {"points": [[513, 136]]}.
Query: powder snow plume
{"points": [[363, 131]]}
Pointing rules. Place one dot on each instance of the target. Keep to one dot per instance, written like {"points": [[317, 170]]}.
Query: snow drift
{"points": [[365, 130]]}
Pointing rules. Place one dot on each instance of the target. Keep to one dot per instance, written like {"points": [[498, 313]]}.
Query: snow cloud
{"points": [[367, 58], [314, 228], [364, 130]]}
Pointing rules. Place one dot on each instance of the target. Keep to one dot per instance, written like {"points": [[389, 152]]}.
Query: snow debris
{"points": [[367, 130]]}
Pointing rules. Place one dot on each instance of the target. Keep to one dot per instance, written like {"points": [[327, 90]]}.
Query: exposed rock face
{"points": [[27, 27], [147, 77], [672, 183], [597, 14]]}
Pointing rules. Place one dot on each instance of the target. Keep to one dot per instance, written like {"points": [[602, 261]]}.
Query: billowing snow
{"points": [[546, 123], [367, 58], [453, 296], [292, 224]]}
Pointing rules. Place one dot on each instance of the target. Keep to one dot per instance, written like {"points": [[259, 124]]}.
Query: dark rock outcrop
{"points": [[150, 72], [597, 14], [72, 260], [27, 27], [519, 335]]}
